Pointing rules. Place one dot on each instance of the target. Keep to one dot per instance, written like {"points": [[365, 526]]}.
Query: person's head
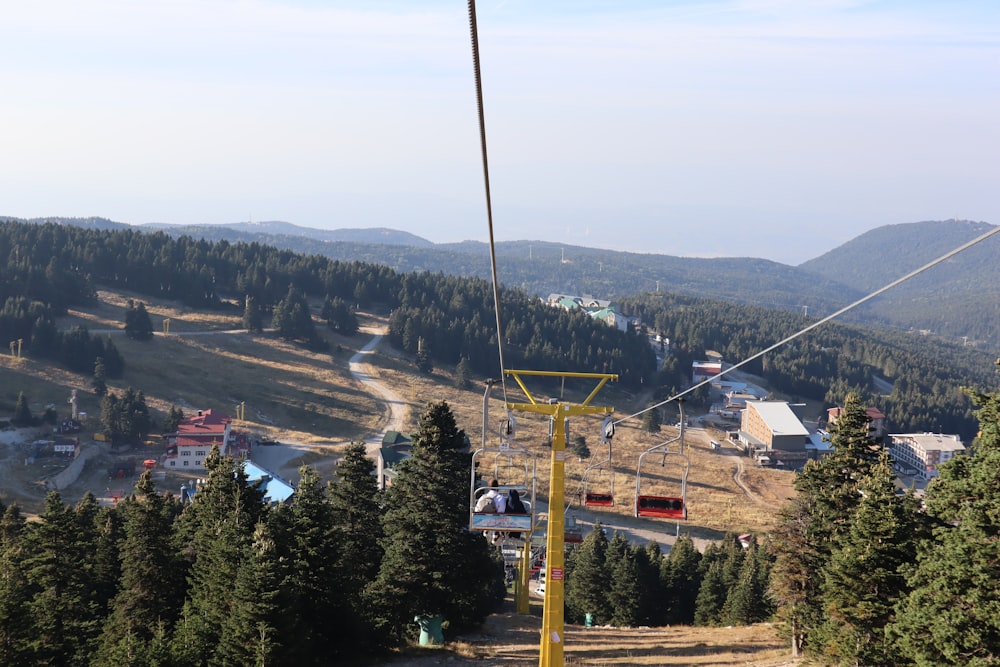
{"points": [[514, 495], [494, 483]]}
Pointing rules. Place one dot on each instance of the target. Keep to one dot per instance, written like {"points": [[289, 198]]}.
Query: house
{"points": [[876, 420], [703, 370], [770, 429], [195, 436], [920, 454], [276, 490], [599, 309]]}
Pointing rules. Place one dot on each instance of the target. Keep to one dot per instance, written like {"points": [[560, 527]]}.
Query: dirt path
{"points": [[396, 407]]}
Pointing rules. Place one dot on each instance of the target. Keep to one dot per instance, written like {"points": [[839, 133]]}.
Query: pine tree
{"points": [[251, 632], [22, 413], [150, 589], [433, 565], [588, 585], [313, 587], [253, 320], [216, 530], [357, 512], [681, 581], [625, 590], [651, 592], [819, 516], [863, 579], [462, 373], [61, 611], [951, 615], [746, 602], [99, 381], [15, 625], [711, 595], [138, 326], [651, 420]]}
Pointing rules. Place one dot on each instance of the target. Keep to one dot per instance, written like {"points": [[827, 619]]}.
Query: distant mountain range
{"points": [[958, 300]]}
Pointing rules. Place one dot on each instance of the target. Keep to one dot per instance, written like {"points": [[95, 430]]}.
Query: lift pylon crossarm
{"points": [[602, 379]]}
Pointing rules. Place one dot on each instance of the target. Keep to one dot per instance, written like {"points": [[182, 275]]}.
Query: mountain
{"points": [[959, 298]]}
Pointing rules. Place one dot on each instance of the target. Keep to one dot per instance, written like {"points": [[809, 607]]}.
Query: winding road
{"points": [[394, 402]]}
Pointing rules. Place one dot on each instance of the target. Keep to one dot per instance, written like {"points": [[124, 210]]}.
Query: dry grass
{"points": [[509, 640]]}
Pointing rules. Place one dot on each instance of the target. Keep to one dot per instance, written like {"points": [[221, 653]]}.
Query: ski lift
{"points": [[514, 470], [664, 506], [599, 477]]}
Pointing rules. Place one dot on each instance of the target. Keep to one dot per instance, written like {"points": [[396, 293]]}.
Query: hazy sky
{"points": [[776, 129]]}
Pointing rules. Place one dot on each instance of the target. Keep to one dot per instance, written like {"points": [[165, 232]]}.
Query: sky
{"points": [[777, 129]]}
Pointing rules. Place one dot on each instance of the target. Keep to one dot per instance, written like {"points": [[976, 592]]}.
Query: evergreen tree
{"points": [[15, 625], [651, 592], [817, 518], [746, 602], [625, 591], [150, 591], [138, 326], [587, 589], [652, 420], [951, 616], [22, 413], [424, 362], [174, 417], [63, 615], [580, 448], [864, 579], [216, 530], [462, 373], [253, 319], [99, 381], [354, 497], [711, 595], [681, 581], [433, 565], [250, 633], [313, 587]]}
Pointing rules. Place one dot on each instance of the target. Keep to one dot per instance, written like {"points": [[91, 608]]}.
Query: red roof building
{"points": [[195, 437]]}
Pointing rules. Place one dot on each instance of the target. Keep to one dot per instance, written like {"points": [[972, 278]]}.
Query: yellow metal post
{"points": [[523, 576], [551, 651]]}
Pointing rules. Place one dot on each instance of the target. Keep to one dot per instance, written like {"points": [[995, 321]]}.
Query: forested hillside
{"points": [[449, 320], [959, 299], [829, 362]]}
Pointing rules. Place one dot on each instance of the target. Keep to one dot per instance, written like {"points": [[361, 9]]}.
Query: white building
{"points": [[923, 452]]}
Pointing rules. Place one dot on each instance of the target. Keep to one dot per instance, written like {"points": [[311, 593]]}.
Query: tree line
{"points": [[226, 579], [453, 316], [865, 575], [926, 375]]}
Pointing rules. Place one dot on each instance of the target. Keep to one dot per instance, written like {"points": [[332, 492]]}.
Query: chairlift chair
{"points": [[662, 506], [518, 474], [601, 471]]}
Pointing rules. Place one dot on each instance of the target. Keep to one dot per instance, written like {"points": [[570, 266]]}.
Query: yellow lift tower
{"points": [[553, 622]]}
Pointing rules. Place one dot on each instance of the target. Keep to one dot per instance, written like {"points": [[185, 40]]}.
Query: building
{"points": [[771, 432], [876, 420], [920, 454], [599, 309], [276, 490], [195, 436], [703, 370], [395, 448]]}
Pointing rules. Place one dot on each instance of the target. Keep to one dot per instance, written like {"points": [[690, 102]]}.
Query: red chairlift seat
{"points": [[599, 500], [661, 507]]}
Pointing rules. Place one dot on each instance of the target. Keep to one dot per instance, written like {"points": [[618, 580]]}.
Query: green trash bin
{"points": [[588, 621], [430, 629]]}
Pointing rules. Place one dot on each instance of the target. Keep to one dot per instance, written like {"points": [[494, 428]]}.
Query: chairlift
{"points": [[598, 480], [663, 506], [514, 468]]}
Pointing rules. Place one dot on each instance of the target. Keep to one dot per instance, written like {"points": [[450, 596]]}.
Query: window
{"points": [[200, 452], [185, 452], [187, 463]]}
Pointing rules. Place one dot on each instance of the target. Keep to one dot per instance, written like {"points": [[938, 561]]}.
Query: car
{"points": [[540, 589]]}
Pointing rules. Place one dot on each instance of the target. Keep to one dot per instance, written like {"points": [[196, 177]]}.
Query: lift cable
{"points": [[486, 178], [925, 267]]}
